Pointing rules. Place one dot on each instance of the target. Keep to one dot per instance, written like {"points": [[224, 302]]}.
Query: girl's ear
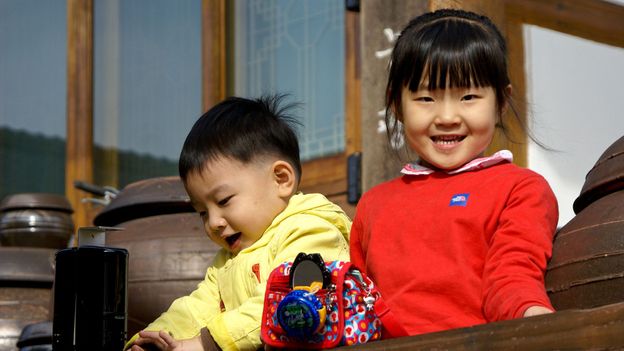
{"points": [[395, 113], [284, 176], [508, 91]]}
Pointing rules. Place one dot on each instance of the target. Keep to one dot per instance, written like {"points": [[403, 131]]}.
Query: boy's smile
{"points": [[237, 201]]}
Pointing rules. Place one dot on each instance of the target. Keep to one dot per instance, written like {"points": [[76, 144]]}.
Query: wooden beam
{"points": [[593, 329], [599, 21], [79, 149], [515, 139], [214, 52], [323, 170]]}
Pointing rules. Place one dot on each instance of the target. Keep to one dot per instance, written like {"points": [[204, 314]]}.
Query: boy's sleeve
{"points": [[188, 314], [239, 329], [519, 251]]}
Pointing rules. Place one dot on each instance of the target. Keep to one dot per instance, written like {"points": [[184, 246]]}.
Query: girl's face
{"points": [[449, 127]]}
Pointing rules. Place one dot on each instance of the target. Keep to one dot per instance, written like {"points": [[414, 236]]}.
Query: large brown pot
{"points": [[26, 277], [605, 177], [168, 249], [587, 266], [35, 220]]}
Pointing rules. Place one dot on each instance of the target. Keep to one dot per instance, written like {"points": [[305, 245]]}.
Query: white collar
{"points": [[478, 163]]}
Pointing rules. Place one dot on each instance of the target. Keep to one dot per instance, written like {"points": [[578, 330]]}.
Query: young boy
{"points": [[240, 166]]}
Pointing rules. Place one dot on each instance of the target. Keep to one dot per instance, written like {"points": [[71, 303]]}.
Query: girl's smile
{"points": [[447, 142]]}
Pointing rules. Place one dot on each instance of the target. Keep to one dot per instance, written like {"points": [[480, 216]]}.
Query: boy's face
{"points": [[236, 201]]}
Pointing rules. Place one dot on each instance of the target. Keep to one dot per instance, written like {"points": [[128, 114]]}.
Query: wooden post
{"points": [[378, 161], [79, 149], [353, 81], [214, 52]]}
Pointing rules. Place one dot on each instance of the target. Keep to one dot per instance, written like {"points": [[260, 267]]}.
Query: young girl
{"points": [[460, 239]]}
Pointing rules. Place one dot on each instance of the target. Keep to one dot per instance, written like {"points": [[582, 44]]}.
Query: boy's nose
{"points": [[216, 224]]}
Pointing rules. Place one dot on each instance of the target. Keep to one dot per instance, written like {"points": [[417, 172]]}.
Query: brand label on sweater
{"points": [[459, 200]]}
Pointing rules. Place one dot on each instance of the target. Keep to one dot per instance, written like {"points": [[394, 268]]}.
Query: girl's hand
{"points": [[163, 341], [536, 311]]}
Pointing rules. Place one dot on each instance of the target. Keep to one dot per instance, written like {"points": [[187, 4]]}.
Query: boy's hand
{"points": [[151, 340], [536, 311]]}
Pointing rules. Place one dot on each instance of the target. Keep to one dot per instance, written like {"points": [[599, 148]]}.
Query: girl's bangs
{"points": [[453, 59]]}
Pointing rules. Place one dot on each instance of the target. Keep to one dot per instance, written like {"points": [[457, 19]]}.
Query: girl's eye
{"points": [[424, 99], [469, 97], [225, 200]]}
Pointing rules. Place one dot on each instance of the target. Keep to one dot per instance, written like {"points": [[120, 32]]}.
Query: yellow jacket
{"points": [[230, 299]]}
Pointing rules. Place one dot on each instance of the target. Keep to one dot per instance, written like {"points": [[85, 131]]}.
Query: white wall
{"points": [[576, 94]]}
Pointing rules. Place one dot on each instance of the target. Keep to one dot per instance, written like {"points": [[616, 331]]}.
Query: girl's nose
{"points": [[448, 115]]}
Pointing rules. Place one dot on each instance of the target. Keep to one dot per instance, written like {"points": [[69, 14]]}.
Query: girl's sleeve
{"points": [[355, 242], [519, 251], [239, 329], [189, 313]]}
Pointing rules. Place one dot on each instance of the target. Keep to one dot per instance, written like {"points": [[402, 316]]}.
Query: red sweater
{"points": [[450, 251]]}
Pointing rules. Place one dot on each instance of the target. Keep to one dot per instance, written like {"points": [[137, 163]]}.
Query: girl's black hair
{"points": [[447, 47], [242, 129]]}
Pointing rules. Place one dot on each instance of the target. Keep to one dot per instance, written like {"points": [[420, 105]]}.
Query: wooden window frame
{"points": [[327, 175]]}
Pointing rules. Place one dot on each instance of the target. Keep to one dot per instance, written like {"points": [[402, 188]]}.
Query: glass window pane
{"points": [[147, 86], [33, 45], [296, 47]]}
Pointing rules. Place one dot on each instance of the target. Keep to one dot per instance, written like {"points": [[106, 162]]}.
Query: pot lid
{"points": [[605, 177], [36, 200], [149, 197]]}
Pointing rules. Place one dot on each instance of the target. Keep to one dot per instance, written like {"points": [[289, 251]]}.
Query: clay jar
{"points": [[26, 276], [587, 266], [168, 249], [35, 220]]}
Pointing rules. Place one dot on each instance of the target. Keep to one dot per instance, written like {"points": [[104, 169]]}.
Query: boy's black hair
{"points": [[242, 129], [448, 45]]}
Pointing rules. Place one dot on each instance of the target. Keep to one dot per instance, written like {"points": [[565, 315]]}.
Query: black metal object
{"points": [[36, 337], [354, 177], [90, 299], [352, 5]]}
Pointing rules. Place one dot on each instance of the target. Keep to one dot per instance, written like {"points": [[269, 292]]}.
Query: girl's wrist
{"points": [[536, 311]]}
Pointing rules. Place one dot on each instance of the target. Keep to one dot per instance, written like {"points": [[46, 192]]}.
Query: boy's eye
{"points": [[225, 200]]}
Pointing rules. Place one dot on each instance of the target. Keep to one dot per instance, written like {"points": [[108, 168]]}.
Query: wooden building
{"points": [[364, 79], [365, 63]]}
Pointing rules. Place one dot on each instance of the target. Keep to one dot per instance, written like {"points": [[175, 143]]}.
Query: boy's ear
{"points": [[285, 178]]}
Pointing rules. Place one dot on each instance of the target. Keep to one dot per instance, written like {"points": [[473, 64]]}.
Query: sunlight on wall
{"points": [[575, 96]]}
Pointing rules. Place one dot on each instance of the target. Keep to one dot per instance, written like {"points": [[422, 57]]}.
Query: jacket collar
{"points": [[478, 163]]}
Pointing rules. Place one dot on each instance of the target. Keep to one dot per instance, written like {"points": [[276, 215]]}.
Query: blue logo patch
{"points": [[459, 200]]}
